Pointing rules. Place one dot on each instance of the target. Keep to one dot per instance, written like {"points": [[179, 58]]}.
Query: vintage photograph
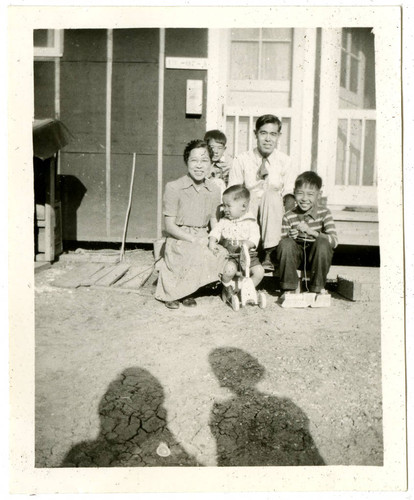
{"points": [[206, 246]]}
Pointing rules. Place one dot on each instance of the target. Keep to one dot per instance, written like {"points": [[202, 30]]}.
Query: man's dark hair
{"points": [[308, 177], [238, 191], [262, 120]]}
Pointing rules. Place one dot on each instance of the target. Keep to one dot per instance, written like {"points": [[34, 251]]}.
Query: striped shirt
{"points": [[318, 218]]}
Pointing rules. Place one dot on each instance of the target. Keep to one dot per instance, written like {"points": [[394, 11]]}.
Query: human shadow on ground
{"points": [[253, 428], [133, 430]]}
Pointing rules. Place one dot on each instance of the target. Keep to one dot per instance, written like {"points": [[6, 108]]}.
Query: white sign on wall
{"points": [[186, 62], [194, 97]]}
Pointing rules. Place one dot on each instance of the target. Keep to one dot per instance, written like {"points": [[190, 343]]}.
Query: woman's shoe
{"points": [[189, 302], [172, 304]]}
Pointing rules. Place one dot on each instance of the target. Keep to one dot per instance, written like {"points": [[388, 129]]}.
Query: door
{"points": [[262, 71], [347, 150]]}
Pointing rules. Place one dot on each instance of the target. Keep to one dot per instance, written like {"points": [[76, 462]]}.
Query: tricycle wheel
{"points": [[261, 299]]}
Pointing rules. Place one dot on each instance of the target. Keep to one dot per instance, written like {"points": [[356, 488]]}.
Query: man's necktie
{"points": [[263, 172]]}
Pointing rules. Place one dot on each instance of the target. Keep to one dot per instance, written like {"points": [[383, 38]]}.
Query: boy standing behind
{"points": [[308, 232], [220, 167]]}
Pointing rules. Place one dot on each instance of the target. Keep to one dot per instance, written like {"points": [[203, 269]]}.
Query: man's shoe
{"points": [[267, 263], [189, 302], [172, 304]]}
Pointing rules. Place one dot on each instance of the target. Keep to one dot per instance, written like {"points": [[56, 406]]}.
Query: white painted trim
{"points": [[251, 132], [236, 135], [353, 195], [55, 51], [296, 98], [259, 86], [215, 81], [357, 114], [308, 95], [109, 62], [328, 107], [160, 129], [361, 158], [347, 153], [251, 111]]}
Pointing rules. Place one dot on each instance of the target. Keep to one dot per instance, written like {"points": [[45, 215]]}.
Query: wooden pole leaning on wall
{"points": [[122, 255]]}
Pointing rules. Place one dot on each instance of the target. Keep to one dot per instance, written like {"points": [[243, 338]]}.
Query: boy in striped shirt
{"points": [[308, 237]]}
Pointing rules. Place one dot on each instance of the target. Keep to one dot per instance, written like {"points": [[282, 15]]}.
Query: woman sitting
{"points": [[190, 207]]}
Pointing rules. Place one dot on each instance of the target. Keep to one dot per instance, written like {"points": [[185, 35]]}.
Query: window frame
{"points": [[55, 50], [261, 85]]}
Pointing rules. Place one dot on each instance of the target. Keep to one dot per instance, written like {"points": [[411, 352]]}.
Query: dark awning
{"points": [[49, 136]]}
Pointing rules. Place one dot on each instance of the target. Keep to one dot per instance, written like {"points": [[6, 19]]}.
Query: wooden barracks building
{"points": [[150, 91]]}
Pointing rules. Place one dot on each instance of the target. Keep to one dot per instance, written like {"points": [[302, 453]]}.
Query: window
{"points": [[355, 159], [48, 43], [262, 57], [357, 77]]}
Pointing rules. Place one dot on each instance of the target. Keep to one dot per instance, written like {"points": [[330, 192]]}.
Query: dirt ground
{"points": [[121, 380]]}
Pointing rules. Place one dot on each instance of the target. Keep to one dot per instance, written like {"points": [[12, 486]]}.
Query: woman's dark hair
{"points": [[197, 143], [262, 120]]}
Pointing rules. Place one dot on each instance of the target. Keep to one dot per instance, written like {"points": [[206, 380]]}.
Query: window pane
{"points": [[245, 34], [230, 135], [355, 152], [343, 69], [355, 43], [344, 38], [368, 177], [41, 38], [244, 61], [276, 61], [277, 33], [353, 84], [243, 139], [340, 153], [284, 139], [357, 77]]}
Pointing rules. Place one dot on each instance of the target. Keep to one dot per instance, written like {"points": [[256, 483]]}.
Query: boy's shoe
{"points": [[322, 299]]}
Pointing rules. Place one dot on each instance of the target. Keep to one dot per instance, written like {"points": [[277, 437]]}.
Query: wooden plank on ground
{"points": [[89, 257], [132, 273], [87, 279], [136, 282], [115, 273], [76, 276]]}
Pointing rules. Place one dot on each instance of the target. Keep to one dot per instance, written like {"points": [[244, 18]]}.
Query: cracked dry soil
{"points": [[123, 381]]}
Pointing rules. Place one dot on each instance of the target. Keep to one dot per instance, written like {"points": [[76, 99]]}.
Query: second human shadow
{"points": [[254, 428]]}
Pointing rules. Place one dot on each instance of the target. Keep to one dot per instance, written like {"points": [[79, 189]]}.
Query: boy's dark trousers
{"points": [[291, 256]]}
